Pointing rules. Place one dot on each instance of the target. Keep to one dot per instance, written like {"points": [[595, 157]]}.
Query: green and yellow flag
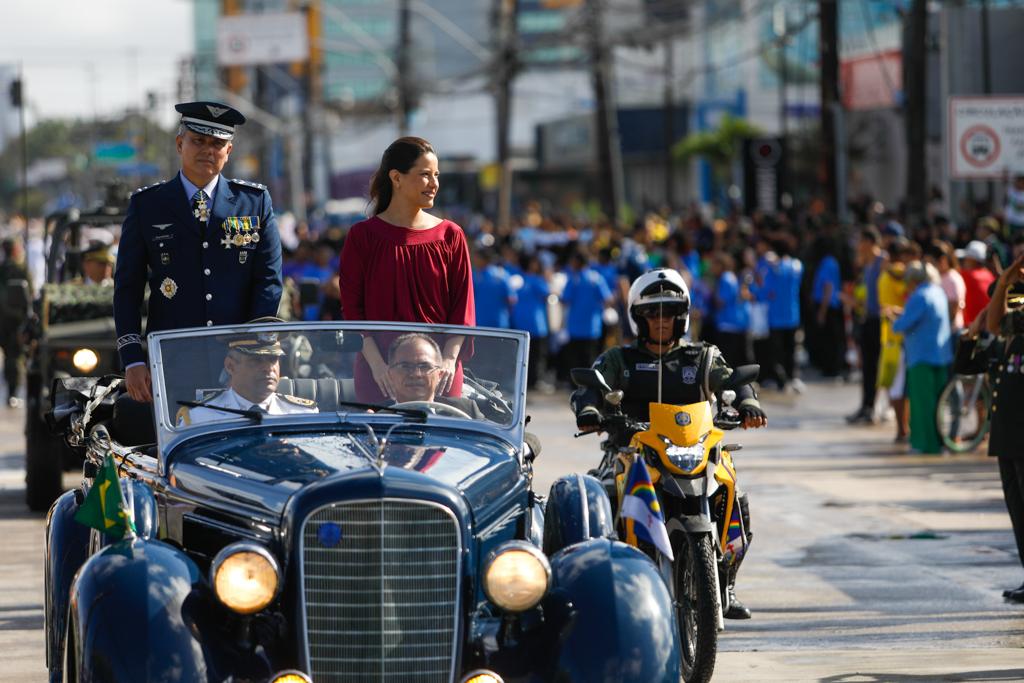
{"points": [[103, 508]]}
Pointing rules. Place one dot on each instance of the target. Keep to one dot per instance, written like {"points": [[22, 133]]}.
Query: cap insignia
{"points": [[216, 111]]}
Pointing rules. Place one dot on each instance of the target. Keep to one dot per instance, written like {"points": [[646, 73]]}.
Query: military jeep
{"points": [[71, 334]]}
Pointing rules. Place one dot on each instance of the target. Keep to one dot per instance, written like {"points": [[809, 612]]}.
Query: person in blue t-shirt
{"points": [[732, 310], [530, 313], [492, 291], [586, 295], [782, 292], [828, 309]]}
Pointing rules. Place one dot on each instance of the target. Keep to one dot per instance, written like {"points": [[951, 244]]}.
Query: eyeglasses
{"points": [[410, 368]]}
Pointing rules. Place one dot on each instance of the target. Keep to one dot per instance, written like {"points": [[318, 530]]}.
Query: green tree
{"points": [[719, 146]]}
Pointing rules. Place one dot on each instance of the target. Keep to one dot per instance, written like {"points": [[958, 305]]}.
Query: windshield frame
{"points": [[169, 436]]}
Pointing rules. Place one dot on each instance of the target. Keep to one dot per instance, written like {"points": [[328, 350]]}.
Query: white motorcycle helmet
{"points": [[664, 289]]}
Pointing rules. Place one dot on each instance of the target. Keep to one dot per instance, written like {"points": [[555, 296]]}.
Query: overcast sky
{"points": [[83, 58]]}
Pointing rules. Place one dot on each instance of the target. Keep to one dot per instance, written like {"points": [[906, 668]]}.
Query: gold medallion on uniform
{"points": [[168, 288]]}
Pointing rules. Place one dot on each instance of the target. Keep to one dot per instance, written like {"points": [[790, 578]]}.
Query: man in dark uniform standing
{"points": [[15, 303], [207, 246], [659, 310], [1005, 362]]}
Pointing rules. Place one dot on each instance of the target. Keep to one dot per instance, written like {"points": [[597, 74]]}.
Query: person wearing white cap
{"points": [[977, 278]]}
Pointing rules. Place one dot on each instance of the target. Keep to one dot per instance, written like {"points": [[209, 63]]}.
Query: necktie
{"points": [[259, 409], [200, 207]]}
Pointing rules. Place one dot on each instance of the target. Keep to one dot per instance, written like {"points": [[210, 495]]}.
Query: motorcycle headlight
{"points": [[245, 577], [516, 576], [686, 458], [85, 360]]}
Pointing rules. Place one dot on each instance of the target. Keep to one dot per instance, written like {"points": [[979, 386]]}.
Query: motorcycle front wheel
{"points": [[693, 584]]}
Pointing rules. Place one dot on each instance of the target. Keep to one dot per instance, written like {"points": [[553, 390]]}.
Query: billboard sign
{"points": [[248, 39], [985, 137]]}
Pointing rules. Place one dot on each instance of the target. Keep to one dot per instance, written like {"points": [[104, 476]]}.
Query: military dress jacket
{"points": [[225, 272]]}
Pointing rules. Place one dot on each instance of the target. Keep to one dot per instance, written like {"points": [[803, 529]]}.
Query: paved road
{"points": [[867, 564]]}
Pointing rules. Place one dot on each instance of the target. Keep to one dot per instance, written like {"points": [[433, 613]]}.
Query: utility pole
{"points": [[914, 80], [404, 63], [504, 73], [828, 45], [609, 152], [780, 26], [670, 123], [18, 100], [986, 81]]}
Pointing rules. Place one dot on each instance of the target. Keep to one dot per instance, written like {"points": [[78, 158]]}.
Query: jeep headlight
{"points": [[245, 577], [85, 360], [516, 576], [686, 458]]}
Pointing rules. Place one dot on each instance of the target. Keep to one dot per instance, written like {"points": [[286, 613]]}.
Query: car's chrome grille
{"points": [[381, 592]]}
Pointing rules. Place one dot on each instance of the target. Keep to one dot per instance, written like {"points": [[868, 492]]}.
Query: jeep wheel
{"points": [[43, 464]]}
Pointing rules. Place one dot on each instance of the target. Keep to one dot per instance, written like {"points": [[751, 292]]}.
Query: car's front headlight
{"points": [[516, 576], [85, 360], [686, 458], [245, 577]]}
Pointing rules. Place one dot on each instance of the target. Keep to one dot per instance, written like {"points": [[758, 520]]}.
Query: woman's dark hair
{"points": [[399, 156]]}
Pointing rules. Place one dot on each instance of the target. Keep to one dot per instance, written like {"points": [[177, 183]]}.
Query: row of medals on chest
{"points": [[239, 229]]}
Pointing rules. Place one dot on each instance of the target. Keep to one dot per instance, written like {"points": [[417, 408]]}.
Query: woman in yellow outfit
{"points": [[892, 294]]}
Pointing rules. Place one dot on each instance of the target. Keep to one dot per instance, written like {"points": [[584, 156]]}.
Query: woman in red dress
{"points": [[405, 265]]}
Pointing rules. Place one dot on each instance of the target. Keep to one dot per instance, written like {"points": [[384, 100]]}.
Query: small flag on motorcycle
{"points": [[641, 505]]}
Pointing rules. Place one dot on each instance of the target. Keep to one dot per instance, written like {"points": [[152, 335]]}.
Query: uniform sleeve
{"points": [[129, 287], [462, 307], [267, 284], [350, 276], [719, 371]]}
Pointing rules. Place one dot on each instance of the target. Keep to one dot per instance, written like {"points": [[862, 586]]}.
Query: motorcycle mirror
{"points": [[728, 396], [744, 374], [614, 398], [590, 378]]}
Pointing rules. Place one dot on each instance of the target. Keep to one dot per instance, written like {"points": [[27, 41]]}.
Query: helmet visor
{"points": [[674, 309]]}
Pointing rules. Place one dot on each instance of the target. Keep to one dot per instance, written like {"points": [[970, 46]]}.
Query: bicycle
{"points": [[962, 416]]}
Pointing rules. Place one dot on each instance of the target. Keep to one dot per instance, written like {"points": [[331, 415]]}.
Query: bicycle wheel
{"points": [[962, 414]]}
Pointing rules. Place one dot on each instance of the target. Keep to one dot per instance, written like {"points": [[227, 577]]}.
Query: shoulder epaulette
{"points": [[247, 183], [147, 187], [304, 402]]}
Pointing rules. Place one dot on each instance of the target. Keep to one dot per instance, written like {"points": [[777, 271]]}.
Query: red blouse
{"points": [[397, 274]]}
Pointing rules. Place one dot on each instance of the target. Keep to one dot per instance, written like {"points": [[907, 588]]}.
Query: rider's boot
{"points": [[737, 610]]}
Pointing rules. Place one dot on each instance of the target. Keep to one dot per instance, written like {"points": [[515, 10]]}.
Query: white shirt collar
{"points": [[191, 189], [244, 404]]}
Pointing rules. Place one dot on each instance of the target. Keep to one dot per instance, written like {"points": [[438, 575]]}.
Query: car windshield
{"points": [[247, 373]]}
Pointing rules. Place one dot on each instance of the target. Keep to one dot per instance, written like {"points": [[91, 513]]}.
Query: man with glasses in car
{"points": [[659, 315], [414, 372]]}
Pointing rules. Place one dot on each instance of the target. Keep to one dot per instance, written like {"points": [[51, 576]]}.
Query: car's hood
{"points": [[261, 470]]}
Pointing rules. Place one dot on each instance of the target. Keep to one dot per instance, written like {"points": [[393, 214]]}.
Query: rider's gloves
{"points": [[750, 410], [589, 417]]}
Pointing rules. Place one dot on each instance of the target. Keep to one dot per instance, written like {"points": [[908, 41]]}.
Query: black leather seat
{"points": [[326, 392]]}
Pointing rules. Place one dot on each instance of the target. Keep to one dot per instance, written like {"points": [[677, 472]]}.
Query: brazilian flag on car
{"points": [[104, 508]]}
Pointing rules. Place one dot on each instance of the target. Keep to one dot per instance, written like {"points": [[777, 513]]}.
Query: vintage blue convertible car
{"points": [[311, 536]]}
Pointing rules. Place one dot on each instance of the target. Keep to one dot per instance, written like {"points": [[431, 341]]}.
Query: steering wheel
{"points": [[435, 407]]}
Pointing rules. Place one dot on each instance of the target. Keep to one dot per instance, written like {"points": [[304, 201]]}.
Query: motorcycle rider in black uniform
{"points": [[659, 307]]}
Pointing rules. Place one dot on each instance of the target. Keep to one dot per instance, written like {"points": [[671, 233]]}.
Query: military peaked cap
{"points": [[210, 118]]}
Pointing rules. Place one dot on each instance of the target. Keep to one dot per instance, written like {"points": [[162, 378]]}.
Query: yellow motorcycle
{"points": [[694, 479]]}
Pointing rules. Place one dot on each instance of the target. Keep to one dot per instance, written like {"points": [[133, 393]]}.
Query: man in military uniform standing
{"points": [[659, 308], [207, 246], [253, 366], [15, 301], [1005, 363]]}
